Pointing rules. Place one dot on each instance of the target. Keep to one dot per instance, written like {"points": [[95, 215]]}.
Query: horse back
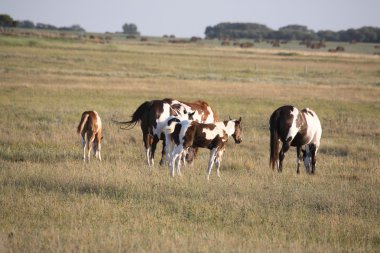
{"points": [[207, 115]]}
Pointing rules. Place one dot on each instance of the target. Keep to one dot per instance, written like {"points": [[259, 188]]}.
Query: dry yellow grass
{"points": [[50, 201]]}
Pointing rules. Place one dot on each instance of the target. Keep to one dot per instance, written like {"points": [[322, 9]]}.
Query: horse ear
{"points": [[240, 119], [229, 117]]}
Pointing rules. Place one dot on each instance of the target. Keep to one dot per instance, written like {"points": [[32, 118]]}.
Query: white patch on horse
{"points": [[161, 121], [184, 126], [293, 130], [211, 134], [230, 128], [98, 121], [314, 130], [210, 117]]}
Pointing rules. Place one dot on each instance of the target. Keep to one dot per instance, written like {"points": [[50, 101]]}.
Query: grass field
{"points": [[51, 202]]}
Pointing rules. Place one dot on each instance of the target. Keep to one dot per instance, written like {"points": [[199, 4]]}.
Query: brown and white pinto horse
{"points": [[294, 128], [90, 128], [153, 116], [189, 133]]}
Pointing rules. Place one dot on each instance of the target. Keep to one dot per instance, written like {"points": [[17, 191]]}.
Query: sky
{"points": [[191, 17]]}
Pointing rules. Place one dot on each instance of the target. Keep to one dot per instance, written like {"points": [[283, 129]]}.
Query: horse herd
{"points": [[184, 127]]}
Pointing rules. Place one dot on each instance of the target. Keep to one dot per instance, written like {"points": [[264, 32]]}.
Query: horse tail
{"points": [[136, 116], [82, 122], [274, 148]]}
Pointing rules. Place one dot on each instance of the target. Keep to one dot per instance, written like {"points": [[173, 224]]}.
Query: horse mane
{"points": [[202, 103], [136, 116]]}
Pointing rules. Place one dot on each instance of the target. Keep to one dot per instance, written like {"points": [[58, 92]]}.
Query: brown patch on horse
{"points": [[306, 110], [202, 108], [195, 136], [175, 134]]}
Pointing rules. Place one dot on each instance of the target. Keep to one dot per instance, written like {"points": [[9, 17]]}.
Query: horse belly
{"points": [[300, 140]]}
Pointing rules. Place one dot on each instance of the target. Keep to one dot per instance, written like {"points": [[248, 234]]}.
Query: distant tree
{"points": [[296, 32], [26, 24], [130, 29], [328, 35], [46, 26], [7, 21], [75, 28], [370, 34], [237, 31]]}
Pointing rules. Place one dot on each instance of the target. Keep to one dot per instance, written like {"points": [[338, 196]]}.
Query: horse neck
{"points": [[230, 128], [227, 126]]}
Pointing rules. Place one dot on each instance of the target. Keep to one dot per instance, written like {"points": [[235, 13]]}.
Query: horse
{"points": [[190, 133], [300, 129], [153, 115], [90, 128]]}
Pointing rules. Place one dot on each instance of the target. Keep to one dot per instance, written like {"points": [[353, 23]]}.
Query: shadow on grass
{"points": [[56, 185], [334, 151]]}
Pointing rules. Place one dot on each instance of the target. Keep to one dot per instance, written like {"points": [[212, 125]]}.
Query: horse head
{"points": [[238, 131]]}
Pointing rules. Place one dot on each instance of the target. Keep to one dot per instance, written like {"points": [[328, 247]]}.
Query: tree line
{"points": [[7, 21], [291, 32]]}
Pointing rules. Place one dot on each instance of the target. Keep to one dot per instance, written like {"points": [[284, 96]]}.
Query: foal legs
{"points": [[97, 147], [167, 145], [176, 155], [211, 162], [218, 160], [90, 141], [84, 147]]}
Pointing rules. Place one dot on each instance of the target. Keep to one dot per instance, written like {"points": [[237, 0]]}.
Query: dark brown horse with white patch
{"points": [[294, 128], [90, 128], [191, 134], [153, 116]]}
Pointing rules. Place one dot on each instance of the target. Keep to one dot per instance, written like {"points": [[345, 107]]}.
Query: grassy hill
{"points": [[51, 202]]}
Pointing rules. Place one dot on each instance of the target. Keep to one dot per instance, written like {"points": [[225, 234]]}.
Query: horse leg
{"points": [[153, 148], [299, 158], [284, 149], [183, 157], [89, 146], [179, 164], [146, 140], [167, 144], [94, 148], [163, 152], [211, 162], [175, 154], [84, 142], [218, 160], [98, 147], [190, 155], [313, 157]]}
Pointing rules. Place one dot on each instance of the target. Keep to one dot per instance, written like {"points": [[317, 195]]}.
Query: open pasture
{"points": [[51, 202]]}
